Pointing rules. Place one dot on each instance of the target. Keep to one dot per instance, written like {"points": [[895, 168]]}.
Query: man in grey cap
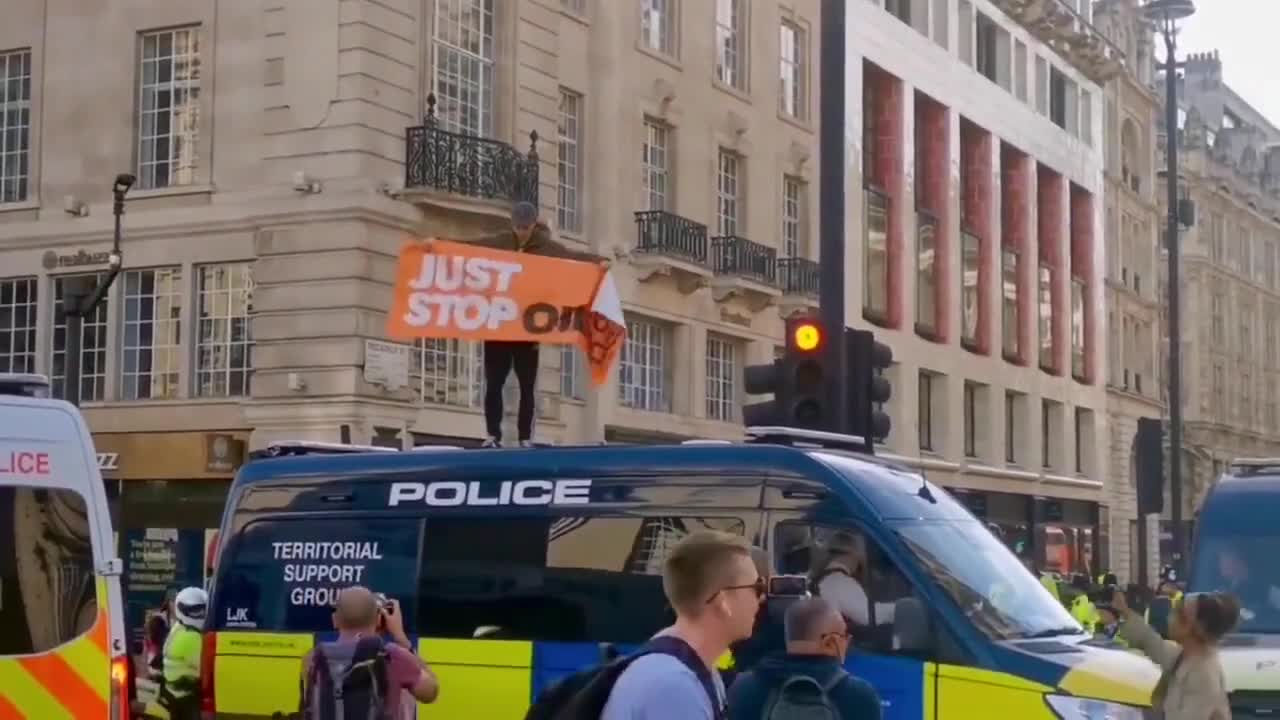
{"points": [[529, 234]]}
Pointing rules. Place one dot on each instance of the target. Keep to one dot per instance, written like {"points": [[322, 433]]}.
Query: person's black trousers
{"points": [[500, 357]]}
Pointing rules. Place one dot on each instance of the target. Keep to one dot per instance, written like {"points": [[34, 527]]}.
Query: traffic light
{"points": [[797, 380], [1149, 458], [868, 388]]}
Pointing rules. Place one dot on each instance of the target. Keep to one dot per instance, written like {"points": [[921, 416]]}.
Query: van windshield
{"points": [[47, 583], [1244, 565], [985, 580]]}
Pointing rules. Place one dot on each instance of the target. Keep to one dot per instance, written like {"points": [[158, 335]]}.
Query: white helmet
{"points": [[190, 607]]}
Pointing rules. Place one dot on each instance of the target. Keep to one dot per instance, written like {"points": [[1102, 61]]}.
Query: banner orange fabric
{"points": [[455, 290]]}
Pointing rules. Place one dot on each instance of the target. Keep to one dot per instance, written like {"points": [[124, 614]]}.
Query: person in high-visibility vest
{"points": [[1082, 608], [1050, 584], [180, 688]]}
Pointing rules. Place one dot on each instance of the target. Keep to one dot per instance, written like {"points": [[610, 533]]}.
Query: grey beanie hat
{"points": [[524, 214]]}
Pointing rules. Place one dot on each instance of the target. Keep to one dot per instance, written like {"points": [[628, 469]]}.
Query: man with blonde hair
{"points": [[715, 589]]}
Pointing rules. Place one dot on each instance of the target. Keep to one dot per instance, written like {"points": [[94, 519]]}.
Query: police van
{"points": [[1236, 543], [62, 641], [516, 567]]}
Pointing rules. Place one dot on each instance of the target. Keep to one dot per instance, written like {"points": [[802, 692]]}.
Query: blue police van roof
{"points": [[1244, 502], [883, 484]]}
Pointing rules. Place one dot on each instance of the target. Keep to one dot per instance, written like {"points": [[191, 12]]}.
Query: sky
{"points": [[1244, 32]]}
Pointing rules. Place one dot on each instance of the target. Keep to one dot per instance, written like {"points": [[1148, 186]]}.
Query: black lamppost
{"points": [[1165, 14], [832, 151], [79, 300]]}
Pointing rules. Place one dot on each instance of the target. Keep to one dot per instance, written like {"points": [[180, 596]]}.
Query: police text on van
{"points": [[454, 493]]}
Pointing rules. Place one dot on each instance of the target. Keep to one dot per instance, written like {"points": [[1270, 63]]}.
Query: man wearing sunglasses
{"points": [[810, 676]]}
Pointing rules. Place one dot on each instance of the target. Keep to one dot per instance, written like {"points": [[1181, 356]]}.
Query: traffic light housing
{"points": [[799, 381], [869, 389], [1149, 460]]}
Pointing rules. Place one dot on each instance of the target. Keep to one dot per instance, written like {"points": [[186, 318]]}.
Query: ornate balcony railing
{"points": [[659, 232], [466, 165], [798, 276], [733, 255]]}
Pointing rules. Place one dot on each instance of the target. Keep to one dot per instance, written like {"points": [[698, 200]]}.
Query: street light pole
{"points": [[79, 300], [832, 154], [1166, 14]]}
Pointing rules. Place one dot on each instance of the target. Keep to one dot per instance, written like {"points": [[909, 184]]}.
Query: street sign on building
{"points": [[386, 364]]}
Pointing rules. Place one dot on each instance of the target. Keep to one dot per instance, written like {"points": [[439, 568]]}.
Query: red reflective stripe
{"points": [[99, 633], [8, 711], [65, 684]]}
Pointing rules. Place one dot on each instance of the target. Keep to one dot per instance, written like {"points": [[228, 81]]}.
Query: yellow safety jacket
{"points": [[1084, 612], [182, 661], [1051, 585]]}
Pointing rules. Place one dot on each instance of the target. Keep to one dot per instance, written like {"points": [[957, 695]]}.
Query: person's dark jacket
{"points": [[540, 242], [853, 698]]}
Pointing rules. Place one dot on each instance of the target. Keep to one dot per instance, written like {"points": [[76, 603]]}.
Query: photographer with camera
{"points": [[361, 674]]}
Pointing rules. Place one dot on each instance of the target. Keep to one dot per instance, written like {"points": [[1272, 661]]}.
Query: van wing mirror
{"points": [[112, 568], [912, 631]]}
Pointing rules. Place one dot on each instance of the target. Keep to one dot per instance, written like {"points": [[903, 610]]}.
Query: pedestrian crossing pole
{"points": [[832, 154]]}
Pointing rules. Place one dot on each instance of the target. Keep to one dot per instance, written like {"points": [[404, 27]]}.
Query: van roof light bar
{"points": [[24, 385], [294, 448], [782, 435], [1246, 467]]}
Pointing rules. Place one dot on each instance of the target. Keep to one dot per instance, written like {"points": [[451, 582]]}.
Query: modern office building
{"points": [[1229, 164], [1133, 223], [978, 186]]}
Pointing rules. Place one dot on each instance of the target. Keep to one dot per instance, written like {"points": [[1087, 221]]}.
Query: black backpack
{"points": [[583, 695], [802, 697], [347, 681]]}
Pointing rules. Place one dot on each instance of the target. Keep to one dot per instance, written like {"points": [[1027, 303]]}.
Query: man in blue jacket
{"points": [[817, 643]]}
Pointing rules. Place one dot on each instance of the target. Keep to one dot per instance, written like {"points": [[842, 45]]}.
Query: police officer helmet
{"points": [[190, 607]]}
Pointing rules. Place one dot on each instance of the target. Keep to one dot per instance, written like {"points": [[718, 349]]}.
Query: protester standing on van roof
{"points": [[715, 589], [360, 619], [809, 676], [528, 234]]}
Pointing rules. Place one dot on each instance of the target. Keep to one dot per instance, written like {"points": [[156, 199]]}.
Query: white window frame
{"points": [[659, 26], [721, 378], [169, 156], [15, 124], [449, 372], [643, 369], [465, 95], [729, 193], [221, 288], [162, 381], [731, 43], [572, 372], [93, 345], [569, 163], [795, 242], [19, 301], [656, 165], [793, 70]]}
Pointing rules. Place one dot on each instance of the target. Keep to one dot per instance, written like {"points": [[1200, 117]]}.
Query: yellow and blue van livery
{"points": [[517, 567], [1236, 542]]}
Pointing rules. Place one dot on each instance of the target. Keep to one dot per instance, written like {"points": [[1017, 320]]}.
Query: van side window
{"points": [[48, 590], [562, 579], [284, 575]]}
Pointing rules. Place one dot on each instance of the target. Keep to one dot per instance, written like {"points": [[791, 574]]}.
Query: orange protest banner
{"points": [[455, 290]]}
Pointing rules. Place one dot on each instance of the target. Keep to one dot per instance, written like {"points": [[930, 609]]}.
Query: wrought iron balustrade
{"points": [[438, 159]]}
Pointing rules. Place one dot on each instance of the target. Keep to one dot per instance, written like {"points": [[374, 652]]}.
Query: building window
{"points": [[169, 108], [1045, 316], [793, 91], [926, 274], [658, 25], [1058, 105], [875, 248], [151, 346], [572, 371], [93, 344], [1009, 315], [1050, 433], [794, 240], [722, 369], [986, 35], [578, 7], [730, 38], [642, 370], [15, 125], [728, 187], [463, 51], [18, 302], [971, 427], [971, 298], [450, 372], [1084, 439], [1218, 318], [1010, 427], [1077, 328], [926, 400], [224, 341], [655, 165], [569, 209]]}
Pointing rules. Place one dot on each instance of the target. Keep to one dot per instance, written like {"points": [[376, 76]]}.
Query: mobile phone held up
{"points": [[789, 586]]}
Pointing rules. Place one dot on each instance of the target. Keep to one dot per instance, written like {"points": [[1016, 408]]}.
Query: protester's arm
{"points": [[848, 596], [1141, 636], [419, 680]]}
